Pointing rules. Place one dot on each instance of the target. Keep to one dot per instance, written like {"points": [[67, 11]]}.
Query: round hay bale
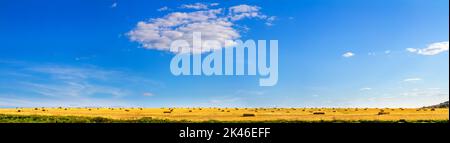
{"points": [[319, 113], [248, 115], [383, 113]]}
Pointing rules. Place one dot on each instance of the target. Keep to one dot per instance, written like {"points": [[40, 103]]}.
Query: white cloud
{"points": [[348, 54], [250, 92], [197, 6], [387, 52], [164, 8], [425, 92], [269, 21], [365, 89], [434, 88], [214, 4], [114, 5], [412, 79], [412, 50], [432, 49], [214, 24], [148, 94], [245, 11]]}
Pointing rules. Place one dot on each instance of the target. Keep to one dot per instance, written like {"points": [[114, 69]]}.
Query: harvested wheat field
{"points": [[244, 114]]}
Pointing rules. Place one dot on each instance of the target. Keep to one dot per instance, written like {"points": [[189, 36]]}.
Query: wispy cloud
{"points": [[114, 5], [249, 92], [214, 4], [425, 92], [412, 79], [432, 49], [196, 6], [73, 102], [148, 94], [164, 8], [412, 50], [348, 54], [61, 83], [365, 89], [270, 20]]}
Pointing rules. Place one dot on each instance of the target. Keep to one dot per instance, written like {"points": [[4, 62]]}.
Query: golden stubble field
{"points": [[244, 114]]}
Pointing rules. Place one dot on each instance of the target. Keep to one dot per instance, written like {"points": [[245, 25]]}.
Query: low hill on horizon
{"points": [[441, 105]]}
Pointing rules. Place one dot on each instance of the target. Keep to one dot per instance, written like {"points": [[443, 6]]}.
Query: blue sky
{"points": [[332, 53]]}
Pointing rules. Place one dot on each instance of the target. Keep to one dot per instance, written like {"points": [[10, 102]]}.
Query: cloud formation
{"points": [[114, 5], [432, 49], [365, 89], [147, 94], [348, 55], [164, 8], [412, 79], [195, 6], [198, 6], [245, 11], [214, 24], [61, 85]]}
